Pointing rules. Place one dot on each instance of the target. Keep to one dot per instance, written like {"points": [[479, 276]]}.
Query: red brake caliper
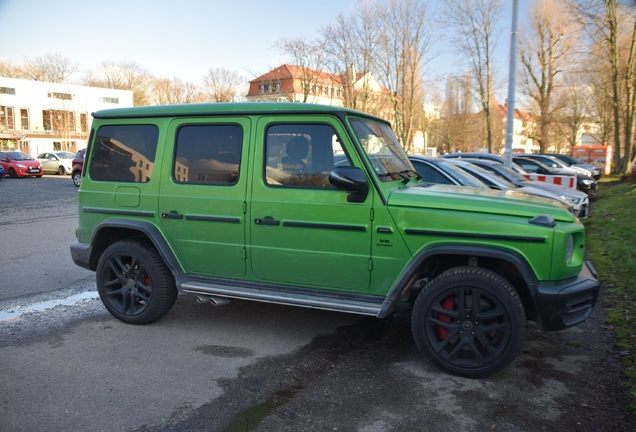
{"points": [[448, 305]]}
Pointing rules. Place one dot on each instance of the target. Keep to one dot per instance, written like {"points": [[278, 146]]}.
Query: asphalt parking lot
{"points": [[68, 365]]}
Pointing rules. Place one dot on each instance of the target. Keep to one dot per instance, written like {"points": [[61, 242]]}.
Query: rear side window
{"points": [[208, 154], [124, 153]]}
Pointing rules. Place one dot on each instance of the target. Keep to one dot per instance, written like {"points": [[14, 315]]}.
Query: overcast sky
{"points": [[180, 38]]}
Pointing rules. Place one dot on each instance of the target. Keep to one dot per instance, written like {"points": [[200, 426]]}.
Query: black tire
{"points": [[61, 170], [134, 283], [469, 321], [12, 173], [77, 178]]}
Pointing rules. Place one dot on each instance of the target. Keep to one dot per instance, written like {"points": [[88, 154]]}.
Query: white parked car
{"points": [[60, 162]]}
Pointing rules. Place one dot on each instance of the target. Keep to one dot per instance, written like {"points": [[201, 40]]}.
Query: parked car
{"points": [[2, 174], [499, 183], [59, 162], [261, 212], [572, 162], [474, 155], [440, 171], [78, 164], [19, 164], [556, 165], [578, 199], [584, 183]]}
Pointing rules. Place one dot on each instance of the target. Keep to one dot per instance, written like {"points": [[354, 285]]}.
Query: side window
{"points": [[528, 166], [124, 153], [302, 155], [208, 154], [429, 175]]}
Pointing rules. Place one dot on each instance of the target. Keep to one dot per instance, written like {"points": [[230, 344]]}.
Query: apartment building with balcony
{"points": [[37, 117]]}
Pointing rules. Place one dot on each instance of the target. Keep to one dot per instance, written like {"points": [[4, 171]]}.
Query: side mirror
{"points": [[351, 179]]}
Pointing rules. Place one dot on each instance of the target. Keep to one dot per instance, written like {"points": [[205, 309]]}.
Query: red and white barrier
{"points": [[559, 180]]}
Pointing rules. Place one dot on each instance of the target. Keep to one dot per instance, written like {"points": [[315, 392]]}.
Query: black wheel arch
{"points": [[431, 261], [113, 230]]}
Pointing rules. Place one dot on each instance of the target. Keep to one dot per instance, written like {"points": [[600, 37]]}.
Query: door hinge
{"points": [[244, 254], [371, 215], [370, 264], [244, 207]]}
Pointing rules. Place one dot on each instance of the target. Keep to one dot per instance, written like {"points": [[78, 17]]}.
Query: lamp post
{"points": [[510, 119]]}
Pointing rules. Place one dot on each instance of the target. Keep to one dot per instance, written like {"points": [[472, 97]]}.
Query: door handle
{"points": [[270, 221], [172, 215]]}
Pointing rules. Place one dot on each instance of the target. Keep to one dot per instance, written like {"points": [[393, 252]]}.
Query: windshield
{"points": [[383, 150], [511, 173], [65, 155], [464, 178], [19, 156]]}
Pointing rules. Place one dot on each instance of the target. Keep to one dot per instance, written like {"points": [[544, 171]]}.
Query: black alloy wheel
{"points": [[134, 283], [12, 173], [469, 321]]}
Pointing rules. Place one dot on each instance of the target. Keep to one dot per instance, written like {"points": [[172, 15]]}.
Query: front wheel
{"points": [[12, 173], [134, 283], [469, 321], [77, 178], [61, 170]]}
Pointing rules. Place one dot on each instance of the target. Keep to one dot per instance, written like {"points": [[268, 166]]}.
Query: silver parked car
{"points": [[579, 200], [59, 162]]}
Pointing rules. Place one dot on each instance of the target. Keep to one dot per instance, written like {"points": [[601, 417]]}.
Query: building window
{"points": [[7, 90], [261, 88], [6, 117], [84, 122], [269, 88], [58, 120], [65, 96], [24, 118], [109, 100], [277, 86]]}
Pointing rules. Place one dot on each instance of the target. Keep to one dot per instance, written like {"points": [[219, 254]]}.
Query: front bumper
{"points": [[566, 303]]}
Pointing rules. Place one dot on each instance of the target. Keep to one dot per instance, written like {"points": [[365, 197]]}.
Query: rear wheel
{"points": [[134, 283], [469, 321], [77, 178]]}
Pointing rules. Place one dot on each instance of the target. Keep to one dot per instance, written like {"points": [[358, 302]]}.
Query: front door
{"points": [[202, 201], [303, 230]]}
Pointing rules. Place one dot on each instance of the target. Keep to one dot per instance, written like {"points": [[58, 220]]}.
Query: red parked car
{"points": [[78, 163], [19, 164]]}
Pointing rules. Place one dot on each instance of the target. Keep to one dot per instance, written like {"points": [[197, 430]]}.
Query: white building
{"points": [[37, 117]]}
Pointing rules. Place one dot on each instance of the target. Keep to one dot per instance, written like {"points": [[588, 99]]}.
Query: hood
{"points": [[477, 200]]}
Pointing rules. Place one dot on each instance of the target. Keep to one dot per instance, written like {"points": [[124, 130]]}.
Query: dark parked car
{"points": [[474, 155], [78, 164], [440, 171], [570, 161], [584, 183], [1, 172]]}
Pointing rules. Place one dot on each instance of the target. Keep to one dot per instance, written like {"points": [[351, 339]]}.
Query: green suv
{"points": [[319, 206]]}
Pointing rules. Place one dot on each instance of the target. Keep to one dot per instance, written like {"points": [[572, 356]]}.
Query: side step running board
{"points": [[362, 304]]}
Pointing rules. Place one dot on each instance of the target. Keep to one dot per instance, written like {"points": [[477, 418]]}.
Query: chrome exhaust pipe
{"points": [[216, 301]]}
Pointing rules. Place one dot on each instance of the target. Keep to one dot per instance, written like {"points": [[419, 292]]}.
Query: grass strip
{"points": [[611, 246]]}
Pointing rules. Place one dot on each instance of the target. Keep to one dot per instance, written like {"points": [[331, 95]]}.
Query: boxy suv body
{"points": [[319, 206]]}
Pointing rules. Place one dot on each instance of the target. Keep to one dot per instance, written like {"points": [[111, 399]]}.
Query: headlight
{"points": [[569, 249], [20, 165], [588, 181], [572, 199]]}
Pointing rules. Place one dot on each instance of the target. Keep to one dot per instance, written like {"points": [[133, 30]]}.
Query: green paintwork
{"points": [[367, 258]]}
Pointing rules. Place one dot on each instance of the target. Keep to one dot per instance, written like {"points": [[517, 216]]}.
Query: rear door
{"points": [[202, 197]]}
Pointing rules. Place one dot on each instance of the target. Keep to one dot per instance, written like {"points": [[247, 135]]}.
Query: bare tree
{"points": [[222, 85], [476, 37], [53, 68], [574, 114], [405, 37], [308, 57], [122, 76], [612, 28], [8, 69], [350, 46], [167, 91], [546, 52]]}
